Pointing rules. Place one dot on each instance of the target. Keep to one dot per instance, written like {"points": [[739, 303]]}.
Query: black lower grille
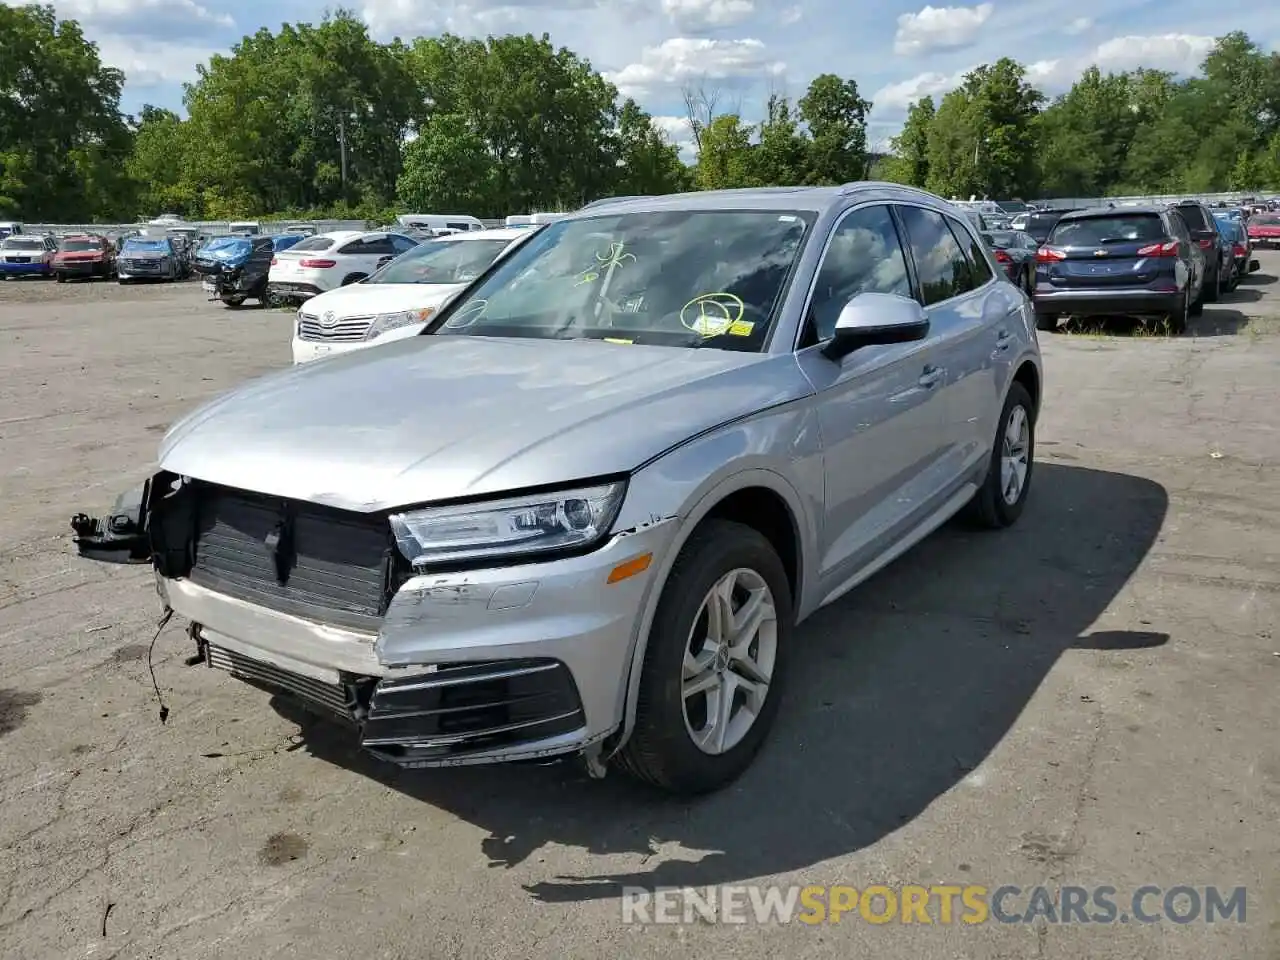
{"points": [[470, 708], [329, 565]]}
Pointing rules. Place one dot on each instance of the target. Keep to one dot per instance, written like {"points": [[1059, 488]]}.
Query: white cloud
{"points": [[684, 59], [679, 133], [148, 65], [148, 18], [1079, 25], [790, 15], [1179, 52], [693, 16], [899, 96], [940, 28]]}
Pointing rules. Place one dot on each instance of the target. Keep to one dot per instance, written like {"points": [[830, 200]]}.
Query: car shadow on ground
{"points": [[896, 693], [1258, 279], [1218, 320]]}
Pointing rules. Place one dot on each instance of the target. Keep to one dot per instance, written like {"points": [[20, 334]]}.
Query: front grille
{"points": [[18, 260], [331, 697], [346, 330], [140, 264], [338, 564]]}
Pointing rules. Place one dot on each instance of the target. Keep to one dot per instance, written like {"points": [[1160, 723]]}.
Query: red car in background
{"points": [[84, 256], [1264, 229]]}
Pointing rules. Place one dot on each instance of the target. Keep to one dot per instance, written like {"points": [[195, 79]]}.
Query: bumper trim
{"points": [[289, 642]]}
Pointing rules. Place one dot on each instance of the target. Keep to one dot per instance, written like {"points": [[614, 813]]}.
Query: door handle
{"points": [[1003, 340], [930, 377]]}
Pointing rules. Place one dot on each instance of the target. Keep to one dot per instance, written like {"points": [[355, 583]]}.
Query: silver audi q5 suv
{"points": [[582, 513]]}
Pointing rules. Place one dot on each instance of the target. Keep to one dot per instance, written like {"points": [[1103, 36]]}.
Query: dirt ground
{"points": [[1090, 698]]}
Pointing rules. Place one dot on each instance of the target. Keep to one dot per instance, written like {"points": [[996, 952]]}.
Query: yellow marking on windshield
{"points": [[713, 314], [616, 256]]}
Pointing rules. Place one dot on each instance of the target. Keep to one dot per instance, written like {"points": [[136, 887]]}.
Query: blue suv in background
{"points": [[1133, 260]]}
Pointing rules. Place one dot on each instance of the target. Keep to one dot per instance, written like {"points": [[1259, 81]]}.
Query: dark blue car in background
{"points": [[1136, 261]]}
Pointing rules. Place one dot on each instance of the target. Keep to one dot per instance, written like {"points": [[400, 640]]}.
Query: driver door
{"points": [[876, 407]]}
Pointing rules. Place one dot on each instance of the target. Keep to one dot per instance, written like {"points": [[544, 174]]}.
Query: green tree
{"points": [[910, 161], [448, 167], [647, 162], [1085, 136], [836, 118], [724, 160], [781, 155], [62, 137]]}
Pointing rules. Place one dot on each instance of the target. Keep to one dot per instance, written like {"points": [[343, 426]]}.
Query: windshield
{"points": [[1094, 231], [77, 246], [146, 246], [687, 278], [21, 243], [442, 261]]}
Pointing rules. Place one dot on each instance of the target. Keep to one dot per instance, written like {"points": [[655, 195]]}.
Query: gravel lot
{"points": [[1089, 698]]}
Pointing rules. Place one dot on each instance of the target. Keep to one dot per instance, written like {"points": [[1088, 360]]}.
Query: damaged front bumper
{"points": [[511, 663]]}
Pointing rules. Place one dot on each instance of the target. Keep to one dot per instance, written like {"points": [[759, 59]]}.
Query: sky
{"points": [[896, 50]]}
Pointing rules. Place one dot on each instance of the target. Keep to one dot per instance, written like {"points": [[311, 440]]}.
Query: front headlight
{"points": [[389, 321], [536, 524]]}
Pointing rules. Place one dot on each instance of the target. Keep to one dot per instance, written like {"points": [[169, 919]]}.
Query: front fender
{"points": [[780, 452]]}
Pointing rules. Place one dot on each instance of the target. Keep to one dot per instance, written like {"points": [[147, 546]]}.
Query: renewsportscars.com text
{"points": [[940, 904]]}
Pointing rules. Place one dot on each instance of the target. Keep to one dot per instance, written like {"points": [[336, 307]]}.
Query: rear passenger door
{"points": [[970, 324], [875, 406]]}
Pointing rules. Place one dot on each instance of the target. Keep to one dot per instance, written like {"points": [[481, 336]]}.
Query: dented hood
{"points": [[434, 418]]}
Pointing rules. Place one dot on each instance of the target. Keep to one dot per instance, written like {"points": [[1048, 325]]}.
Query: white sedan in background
{"points": [[331, 260], [399, 299]]}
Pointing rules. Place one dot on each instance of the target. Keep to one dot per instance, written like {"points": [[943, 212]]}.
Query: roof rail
{"points": [[606, 200], [853, 185]]}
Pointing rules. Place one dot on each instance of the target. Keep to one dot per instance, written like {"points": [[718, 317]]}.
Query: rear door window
{"points": [[942, 267], [1110, 228], [978, 266]]}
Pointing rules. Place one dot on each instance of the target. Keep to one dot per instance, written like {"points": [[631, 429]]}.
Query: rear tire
{"points": [[1047, 322], [1012, 456], [1212, 291], [662, 750], [235, 301]]}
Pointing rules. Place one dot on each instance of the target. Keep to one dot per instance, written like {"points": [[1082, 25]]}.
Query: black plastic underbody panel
{"points": [[298, 558]]}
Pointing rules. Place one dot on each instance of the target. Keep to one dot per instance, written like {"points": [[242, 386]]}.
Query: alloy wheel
{"points": [[729, 660], [1014, 459]]}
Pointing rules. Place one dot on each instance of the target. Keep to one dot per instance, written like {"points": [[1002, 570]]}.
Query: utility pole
{"points": [[342, 146]]}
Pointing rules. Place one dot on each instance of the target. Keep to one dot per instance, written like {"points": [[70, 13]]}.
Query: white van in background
{"points": [[451, 222], [533, 219]]}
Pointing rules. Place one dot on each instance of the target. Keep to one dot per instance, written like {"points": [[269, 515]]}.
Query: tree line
{"points": [[321, 120]]}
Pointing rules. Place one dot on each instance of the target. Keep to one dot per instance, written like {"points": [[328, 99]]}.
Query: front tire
{"points": [[1047, 322], [716, 662], [234, 301], [1003, 494], [60, 277]]}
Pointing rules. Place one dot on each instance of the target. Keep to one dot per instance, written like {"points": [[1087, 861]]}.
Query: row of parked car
{"points": [[1165, 260]]}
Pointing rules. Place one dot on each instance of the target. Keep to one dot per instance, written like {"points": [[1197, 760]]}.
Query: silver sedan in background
{"points": [[582, 513]]}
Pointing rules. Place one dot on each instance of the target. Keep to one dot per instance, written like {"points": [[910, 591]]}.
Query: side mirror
{"points": [[871, 319]]}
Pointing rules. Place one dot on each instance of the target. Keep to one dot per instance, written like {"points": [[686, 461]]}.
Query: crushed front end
{"points": [[431, 669]]}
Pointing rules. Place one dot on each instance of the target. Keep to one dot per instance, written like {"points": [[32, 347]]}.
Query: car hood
{"points": [[78, 255], [435, 418], [365, 299]]}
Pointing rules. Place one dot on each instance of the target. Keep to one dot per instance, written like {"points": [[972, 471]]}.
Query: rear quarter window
{"points": [[1093, 231]]}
